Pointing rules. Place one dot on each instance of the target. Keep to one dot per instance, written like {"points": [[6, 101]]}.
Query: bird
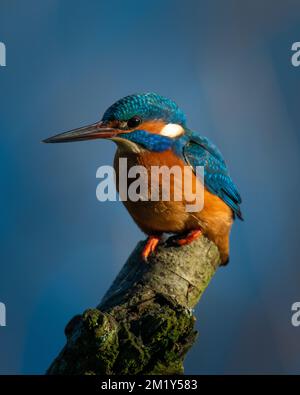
{"points": [[151, 130]]}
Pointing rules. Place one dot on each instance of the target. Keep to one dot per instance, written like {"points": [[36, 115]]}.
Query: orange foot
{"points": [[191, 236], [150, 247]]}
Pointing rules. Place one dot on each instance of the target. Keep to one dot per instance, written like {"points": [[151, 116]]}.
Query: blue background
{"points": [[227, 64]]}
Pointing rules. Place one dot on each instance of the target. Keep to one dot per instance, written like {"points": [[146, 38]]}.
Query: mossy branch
{"points": [[144, 323]]}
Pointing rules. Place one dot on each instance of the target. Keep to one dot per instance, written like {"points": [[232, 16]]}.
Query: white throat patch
{"points": [[172, 130]]}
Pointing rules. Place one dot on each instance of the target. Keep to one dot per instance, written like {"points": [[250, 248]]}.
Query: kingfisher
{"points": [[151, 130]]}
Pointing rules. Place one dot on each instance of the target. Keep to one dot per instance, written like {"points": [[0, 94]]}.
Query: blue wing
{"points": [[199, 151]]}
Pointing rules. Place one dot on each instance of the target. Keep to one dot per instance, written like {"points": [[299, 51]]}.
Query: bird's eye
{"points": [[134, 122]]}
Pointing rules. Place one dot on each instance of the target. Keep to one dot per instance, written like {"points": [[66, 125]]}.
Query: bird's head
{"points": [[141, 121]]}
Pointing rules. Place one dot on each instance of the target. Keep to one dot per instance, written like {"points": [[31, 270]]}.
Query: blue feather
{"points": [[152, 142], [200, 151], [147, 106]]}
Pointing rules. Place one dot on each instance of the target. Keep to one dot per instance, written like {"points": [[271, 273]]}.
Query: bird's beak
{"points": [[95, 131]]}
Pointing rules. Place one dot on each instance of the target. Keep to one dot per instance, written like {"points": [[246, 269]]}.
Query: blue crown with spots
{"points": [[148, 106]]}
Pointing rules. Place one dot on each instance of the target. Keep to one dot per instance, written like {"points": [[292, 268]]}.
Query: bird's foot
{"points": [[190, 237], [150, 246]]}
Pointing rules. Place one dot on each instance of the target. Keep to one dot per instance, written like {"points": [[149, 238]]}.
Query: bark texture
{"points": [[144, 323]]}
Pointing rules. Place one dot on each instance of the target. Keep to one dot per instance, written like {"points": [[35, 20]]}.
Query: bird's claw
{"points": [[189, 238], [150, 247]]}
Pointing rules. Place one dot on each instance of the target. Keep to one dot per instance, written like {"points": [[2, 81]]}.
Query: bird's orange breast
{"points": [[170, 216]]}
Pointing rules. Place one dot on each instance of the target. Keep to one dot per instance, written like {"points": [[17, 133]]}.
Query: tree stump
{"points": [[144, 323]]}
